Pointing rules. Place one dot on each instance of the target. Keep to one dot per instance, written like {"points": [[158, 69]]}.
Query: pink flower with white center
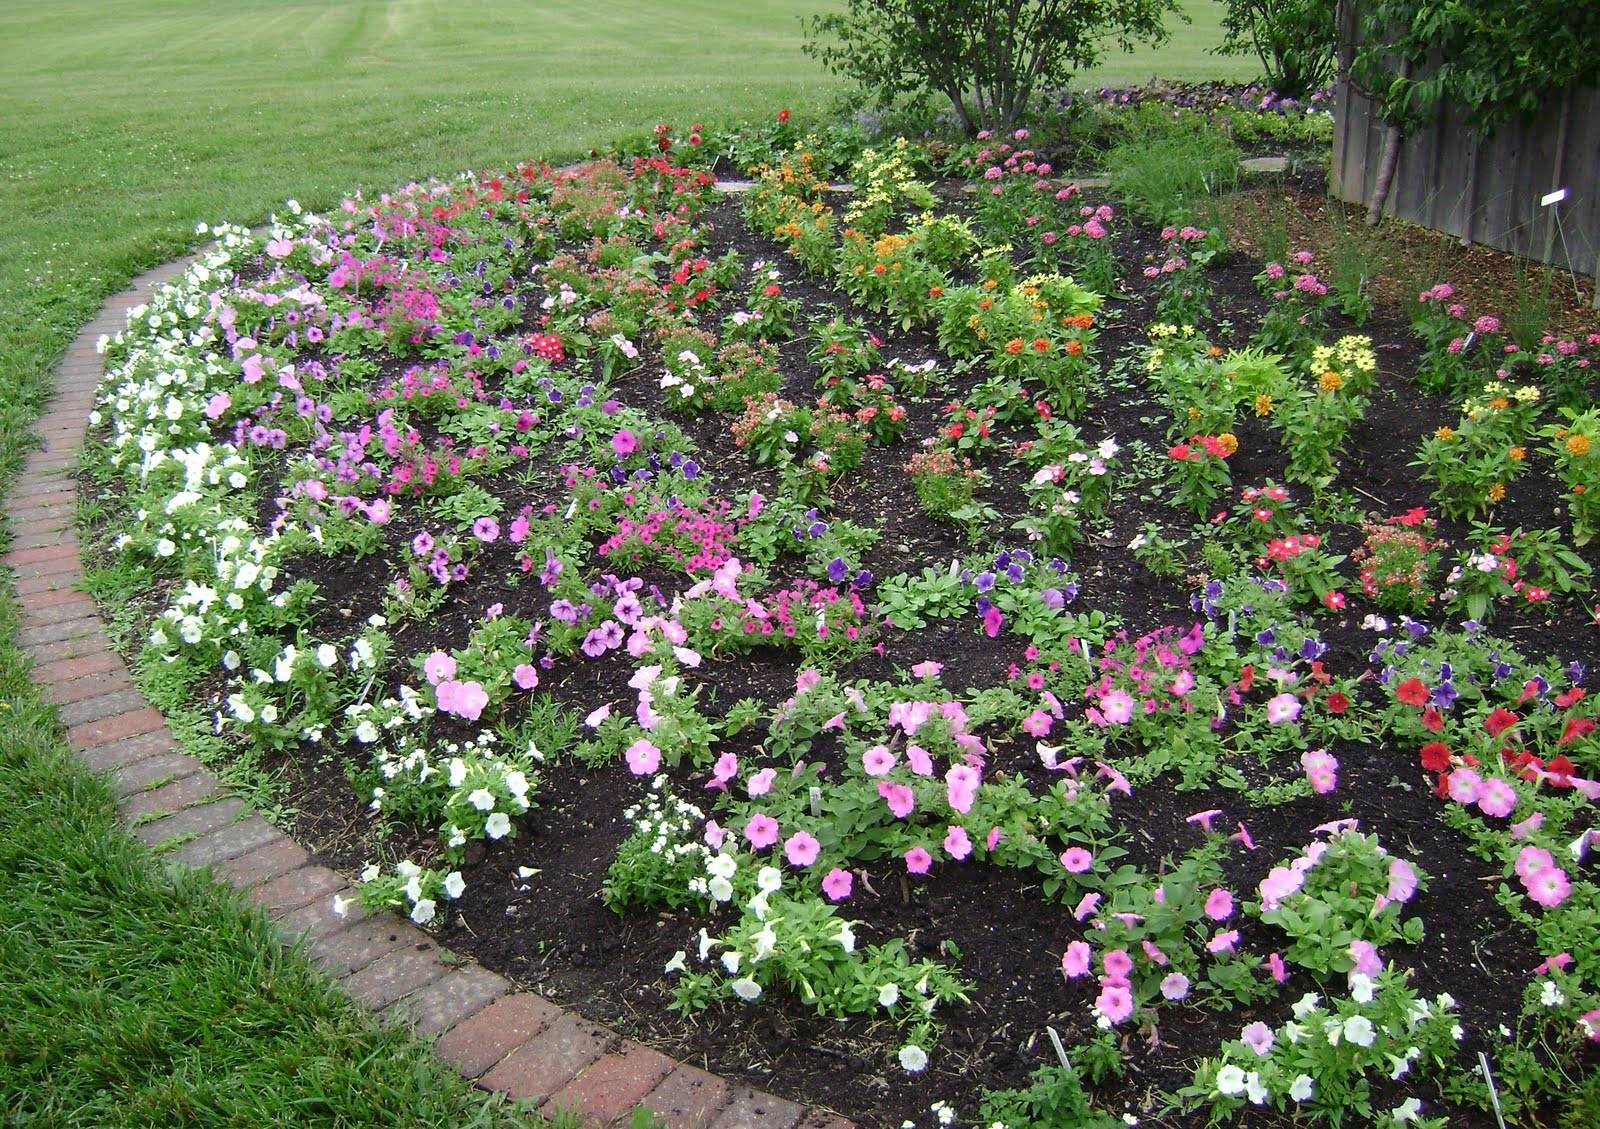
{"points": [[1283, 708], [438, 667], [837, 884], [761, 782], [1076, 960], [918, 860], [1321, 770], [961, 787], [1219, 904], [901, 799], [1258, 1037], [1496, 797], [1037, 724], [714, 835], [801, 848], [877, 761], [928, 669], [525, 675], [1117, 964], [1526, 827], [919, 760], [761, 831], [1117, 707], [1223, 942], [1549, 887], [643, 757], [1174, 986], [1589, 1024], [957, 844], [1531, 860], [1115, 1001], [1367, 959], [1464, 784], [1076, 860]]}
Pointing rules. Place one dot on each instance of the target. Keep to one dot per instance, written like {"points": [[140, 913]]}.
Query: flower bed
{"points": [[976, 647]]}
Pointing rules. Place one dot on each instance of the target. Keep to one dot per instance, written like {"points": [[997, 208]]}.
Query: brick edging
{"points": [[504, 1039]]}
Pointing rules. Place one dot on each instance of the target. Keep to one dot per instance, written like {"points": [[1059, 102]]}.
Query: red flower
{"points": [[1337, 703], [1436, 756], [1412, 692], [1181, 451], [1576, 727], [1530, 689], [1334, 599], [1247, 678], [1499, 721], [1433, 720], [1570, 697], [783, 116], [1560, 770]]}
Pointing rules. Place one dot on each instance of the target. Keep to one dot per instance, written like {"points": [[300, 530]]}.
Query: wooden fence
{"points": [[1487, 190]]}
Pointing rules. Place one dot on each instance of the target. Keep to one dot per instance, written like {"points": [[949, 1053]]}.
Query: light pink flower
{"points": [[1549, 887], [1402, 880], [1075, 961], [643, 757], [919, 760], [1464, 785], [463, 699], [918, 860], [1116, 963], [1258, 1037], [1223, 942], [1117, 707], [961, 788], [956, 843], [526, 676], [1219, 904], [438, 667], [1086, 905], [1531, 860], [1368, 961], [801, 848], [761, 783], [901, 799], [1174, 986], [1283, 708], [1115, 1001], [928, 669], [1076, 860], [877, 761], [1496, 797]]}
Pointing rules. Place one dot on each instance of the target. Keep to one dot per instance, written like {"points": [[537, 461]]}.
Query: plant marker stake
{"points": [[1494, 1095], [816, 802], [1061, 1051]]}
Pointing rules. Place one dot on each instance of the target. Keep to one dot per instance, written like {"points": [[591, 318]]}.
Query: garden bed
{"points": [[473, 497]]}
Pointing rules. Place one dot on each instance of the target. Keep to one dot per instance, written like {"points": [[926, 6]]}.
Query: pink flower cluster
{"points": [[1544, 881]]}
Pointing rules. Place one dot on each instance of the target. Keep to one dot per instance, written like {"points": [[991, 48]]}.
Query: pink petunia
{"points": [[761, 831], [1174, 986], [526, 676], [901, 799], [623, 443], [1037, 724], [919, 760], [1258, 1037], [1531, 860], [760, 783], [1283, 708], [1087, 905], [1402, 880], [928, 669], [1115, 1001], [918, 860], [1275, 965], [1076, 860], [1219, 904], [1076, 960], [1549, 887], [956, 843], [1118, 965], [1117, 707], [877, 761], [1368, 961], [1497, 797], [1464, 784], [438, 667], [1223, 942], [961, 788], [643, 757], [801, 848], [837, 884], [463, 699]]}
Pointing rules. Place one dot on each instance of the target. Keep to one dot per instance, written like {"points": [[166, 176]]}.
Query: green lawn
{"points": [[127, 1000]]}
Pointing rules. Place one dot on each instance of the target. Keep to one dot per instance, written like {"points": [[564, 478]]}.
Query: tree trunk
{"points": [[1393, 135]]}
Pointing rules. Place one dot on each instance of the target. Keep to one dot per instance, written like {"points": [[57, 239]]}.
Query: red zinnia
{"points": [[1412, 692], [1499, 721], [1436, 756]]}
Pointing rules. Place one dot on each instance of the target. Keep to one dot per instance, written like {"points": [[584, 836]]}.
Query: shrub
{"points": [[1294, 39], [989, 57]]}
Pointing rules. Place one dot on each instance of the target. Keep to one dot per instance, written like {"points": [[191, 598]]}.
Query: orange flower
{"points": [[985, 303], [1213, 350], [1445, 434], [1041, 345], [1263, 405], [1074, 348], [1330, 381], [1517, 454], [935, 291], [1014, 346], [1228, 441], [1577, 445]]}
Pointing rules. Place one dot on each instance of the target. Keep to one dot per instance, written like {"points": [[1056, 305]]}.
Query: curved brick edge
{"points": [[512, 1041]]}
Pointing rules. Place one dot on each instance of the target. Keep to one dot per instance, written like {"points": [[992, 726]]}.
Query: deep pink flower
{"points": [[918, 860], [1219, 904], [1549, 887], [1496, 797], [837, 884], [1117, 964], [623, 443], [1115, 1001], [761, 831]]}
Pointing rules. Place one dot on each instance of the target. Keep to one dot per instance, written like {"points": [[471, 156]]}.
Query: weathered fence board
{"points": [[1488, 190]]}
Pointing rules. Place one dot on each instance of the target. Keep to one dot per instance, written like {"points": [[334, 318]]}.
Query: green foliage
{"points": [[1294, 39], [1502, 57], [988, 57], [1166, 166]]}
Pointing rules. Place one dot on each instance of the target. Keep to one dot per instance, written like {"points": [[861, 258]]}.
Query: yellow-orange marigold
{"points": [[1577, 445], [1497, 492]]}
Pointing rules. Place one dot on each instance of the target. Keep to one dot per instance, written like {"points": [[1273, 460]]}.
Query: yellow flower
{"points": [[1263, 405], [1517, 454], [1229, 442], [1444, 434], [1577, 445], [1497, 492]]}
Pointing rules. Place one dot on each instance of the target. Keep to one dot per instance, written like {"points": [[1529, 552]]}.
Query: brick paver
{"points": [[545, 1063], [517, 1042], [478, 1043]]}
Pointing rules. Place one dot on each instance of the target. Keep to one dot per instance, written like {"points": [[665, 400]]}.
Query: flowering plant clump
{"points": [[1397, 562], [945, 482], [1473, 463], [1575, 447], [1199, 469], [1301, 301]]}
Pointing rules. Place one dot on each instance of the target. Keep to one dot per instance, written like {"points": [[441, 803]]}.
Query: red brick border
{"points": [[513, 1041]]}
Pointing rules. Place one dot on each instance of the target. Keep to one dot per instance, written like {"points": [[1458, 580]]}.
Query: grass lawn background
{"points": [[129, 1000]]}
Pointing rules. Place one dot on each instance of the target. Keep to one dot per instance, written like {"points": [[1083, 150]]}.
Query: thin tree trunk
{"points": [[1393, 135]]}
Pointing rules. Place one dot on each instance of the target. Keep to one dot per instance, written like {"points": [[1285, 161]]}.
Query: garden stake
{"points": [[1061, 1051], [1494, 1095]]}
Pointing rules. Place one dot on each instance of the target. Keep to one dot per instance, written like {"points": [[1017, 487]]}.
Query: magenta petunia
{"points": [[957, 844], [837, 884], [1076, 860], [801, 848], [1219, 904], [918, 860], [761, 831], [1075, 961]]}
